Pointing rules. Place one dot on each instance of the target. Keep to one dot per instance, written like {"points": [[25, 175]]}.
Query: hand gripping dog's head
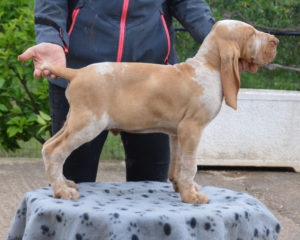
{"points": [[227, 43]]}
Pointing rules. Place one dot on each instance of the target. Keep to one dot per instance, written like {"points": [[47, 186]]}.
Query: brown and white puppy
{"points": [[178, 100]]}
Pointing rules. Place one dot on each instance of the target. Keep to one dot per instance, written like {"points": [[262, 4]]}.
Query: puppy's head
{"points": [[259, 48], [237, 40]]}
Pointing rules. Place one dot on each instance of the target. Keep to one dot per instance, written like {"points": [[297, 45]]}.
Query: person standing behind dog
{"points": [[78, 33]]}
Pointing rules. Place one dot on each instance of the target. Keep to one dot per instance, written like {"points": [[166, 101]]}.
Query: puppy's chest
{"points": [[212, 96]]}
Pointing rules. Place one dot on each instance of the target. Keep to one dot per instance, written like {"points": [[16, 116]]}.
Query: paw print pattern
{"points": [[115, 218], [40, 212], [85, 220], [112, 236], [60, 217], [46, 231], [219, 213], [192, 226], [231, 198], [21, 212], [76, 205], [209, 225], [140, 213], [237, 220], [131, 190], [165, 224], [134, 231], [120, 193], [80, 236], [247, 215]]}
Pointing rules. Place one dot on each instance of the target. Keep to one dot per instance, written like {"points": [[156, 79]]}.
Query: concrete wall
{"points": [[264, 131]]}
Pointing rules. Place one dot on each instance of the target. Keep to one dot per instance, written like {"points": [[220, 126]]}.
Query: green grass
{"points": [[113, 149], [30, 149]]}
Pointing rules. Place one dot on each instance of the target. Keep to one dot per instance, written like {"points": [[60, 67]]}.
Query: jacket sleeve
{"points": [[194, 15], [51, 21]]}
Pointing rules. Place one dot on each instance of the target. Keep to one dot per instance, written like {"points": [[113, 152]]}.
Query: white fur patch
{"points": [[206, 46], [92, 130], [53, 164], [257, 43], [124, 66], [210, 81], [104, 68]]}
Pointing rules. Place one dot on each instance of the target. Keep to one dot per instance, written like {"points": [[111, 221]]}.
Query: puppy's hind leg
{"points": [[81, 127]]}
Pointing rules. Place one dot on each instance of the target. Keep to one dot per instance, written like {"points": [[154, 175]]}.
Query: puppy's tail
{"points": [[63, 72]]}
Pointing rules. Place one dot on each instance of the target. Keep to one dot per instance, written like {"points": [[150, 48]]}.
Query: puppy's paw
{"points": [[196, 198], [189, 195], [71, 184], [65, 192]]}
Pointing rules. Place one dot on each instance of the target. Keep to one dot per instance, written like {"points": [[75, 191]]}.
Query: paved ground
{"points": [[279, 191]]}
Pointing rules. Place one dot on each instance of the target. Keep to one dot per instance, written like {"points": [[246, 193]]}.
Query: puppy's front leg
{"points": [[174, 168], [189, 133]]}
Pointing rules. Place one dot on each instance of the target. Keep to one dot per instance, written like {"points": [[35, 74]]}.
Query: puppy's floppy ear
{"points": [[229, 55]]}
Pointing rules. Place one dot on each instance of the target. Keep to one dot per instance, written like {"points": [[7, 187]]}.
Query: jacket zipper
{"points": [[168, 38], [62, 38], [122, 30], [74, 16]]}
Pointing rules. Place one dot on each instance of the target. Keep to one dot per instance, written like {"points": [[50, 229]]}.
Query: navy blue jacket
{"points": [[93, 31]]}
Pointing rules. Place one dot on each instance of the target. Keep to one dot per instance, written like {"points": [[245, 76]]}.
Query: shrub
{"points": [[23, 100]]}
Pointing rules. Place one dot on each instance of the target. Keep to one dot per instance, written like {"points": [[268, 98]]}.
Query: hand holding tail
{"points": [[67, 73], [44, 52]]}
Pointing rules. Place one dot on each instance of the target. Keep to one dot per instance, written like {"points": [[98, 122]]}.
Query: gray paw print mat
{"points": [[141, 210]]}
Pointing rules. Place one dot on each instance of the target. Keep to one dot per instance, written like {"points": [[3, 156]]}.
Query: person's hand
{"points": [[44, 52], [245, 66]]}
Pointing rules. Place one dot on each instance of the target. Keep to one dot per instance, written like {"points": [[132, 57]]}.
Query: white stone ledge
{"points": [[264, 131]]}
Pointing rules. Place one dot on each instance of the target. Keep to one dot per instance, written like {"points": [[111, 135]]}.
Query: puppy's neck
{"points": [[208, 53]]}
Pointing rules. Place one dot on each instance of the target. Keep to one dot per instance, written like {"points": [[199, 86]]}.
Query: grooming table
{"points": [[141, 210]]}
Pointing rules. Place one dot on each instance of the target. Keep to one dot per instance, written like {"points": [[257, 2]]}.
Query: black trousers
{"points": [[147, 155]]}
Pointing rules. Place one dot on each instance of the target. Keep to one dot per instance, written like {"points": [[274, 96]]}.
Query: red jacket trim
{"points": [[122, 30], [74, 16], [168, 38]]}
